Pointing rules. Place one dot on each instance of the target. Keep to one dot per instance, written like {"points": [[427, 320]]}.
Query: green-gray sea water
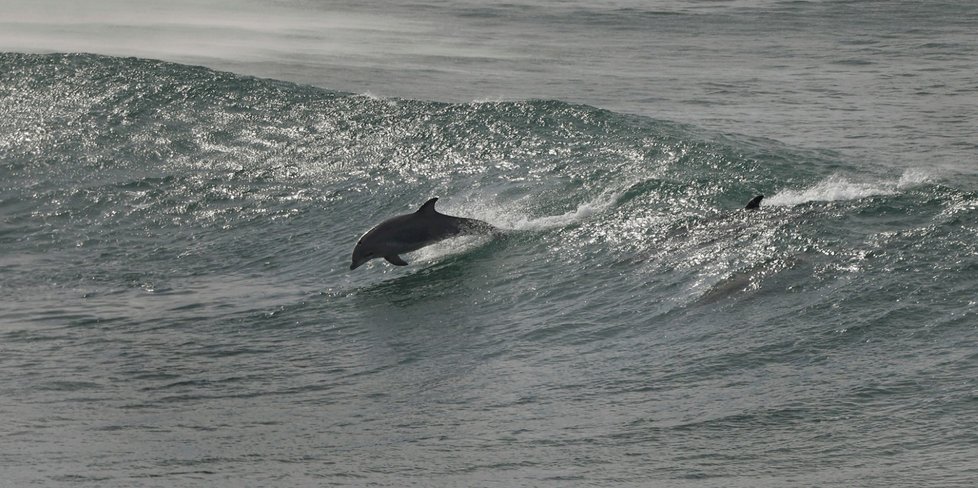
{"points": [[177, 309]]}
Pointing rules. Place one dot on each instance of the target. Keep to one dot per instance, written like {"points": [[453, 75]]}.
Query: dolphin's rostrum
{"points": [[410, 232]]}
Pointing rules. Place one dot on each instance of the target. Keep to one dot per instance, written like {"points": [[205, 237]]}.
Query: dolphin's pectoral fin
{"points": [[395, 260]]}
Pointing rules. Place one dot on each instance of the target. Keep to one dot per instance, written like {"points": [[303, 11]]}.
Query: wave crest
{"points": [[836, 188]]}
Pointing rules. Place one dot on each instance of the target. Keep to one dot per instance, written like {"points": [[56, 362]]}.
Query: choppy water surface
{"points": [[177, 308]]}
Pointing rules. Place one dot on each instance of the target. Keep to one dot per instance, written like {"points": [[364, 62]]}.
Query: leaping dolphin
{"points": [[410, 232]]}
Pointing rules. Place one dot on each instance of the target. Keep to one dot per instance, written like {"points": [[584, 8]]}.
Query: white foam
{"points": [[913, 177], [513, 217], [835, 188], [509, 217]]}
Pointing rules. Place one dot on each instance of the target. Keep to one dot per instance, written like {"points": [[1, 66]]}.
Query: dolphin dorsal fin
{"points": [[754, 203], [428, 207]]}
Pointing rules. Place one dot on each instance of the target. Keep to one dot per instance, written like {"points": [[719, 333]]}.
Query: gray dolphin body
{"points": [[410, 232]]}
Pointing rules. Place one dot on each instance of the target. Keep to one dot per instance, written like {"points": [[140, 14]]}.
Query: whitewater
{"points": [[177, 220]]}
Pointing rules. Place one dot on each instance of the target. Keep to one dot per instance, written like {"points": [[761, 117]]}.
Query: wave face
{"points": [[174, 252]]}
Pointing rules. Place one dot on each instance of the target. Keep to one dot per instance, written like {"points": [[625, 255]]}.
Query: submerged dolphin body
{"points": [[410, 232]]}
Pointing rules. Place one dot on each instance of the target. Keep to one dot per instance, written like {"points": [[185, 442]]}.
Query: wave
{"points": [[163, 174], [838, 188], [517, 215]]}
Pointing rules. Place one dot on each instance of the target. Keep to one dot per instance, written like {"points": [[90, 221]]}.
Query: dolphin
{"points": [[410, 232], [754, 203]]}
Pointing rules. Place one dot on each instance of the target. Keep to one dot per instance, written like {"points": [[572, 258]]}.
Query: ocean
{"points": [[182, 185]]}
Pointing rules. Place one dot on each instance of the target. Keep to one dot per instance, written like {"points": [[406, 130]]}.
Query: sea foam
{"points": [[837, 187]]}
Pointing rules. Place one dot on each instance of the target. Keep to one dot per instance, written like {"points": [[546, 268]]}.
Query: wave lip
{"points": [[838, 188]]}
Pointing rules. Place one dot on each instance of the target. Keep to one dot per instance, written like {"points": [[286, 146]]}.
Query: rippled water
{"points": [[177, 308]]}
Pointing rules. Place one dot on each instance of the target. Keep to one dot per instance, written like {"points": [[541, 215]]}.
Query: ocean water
{"points": [[181, 187]]}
